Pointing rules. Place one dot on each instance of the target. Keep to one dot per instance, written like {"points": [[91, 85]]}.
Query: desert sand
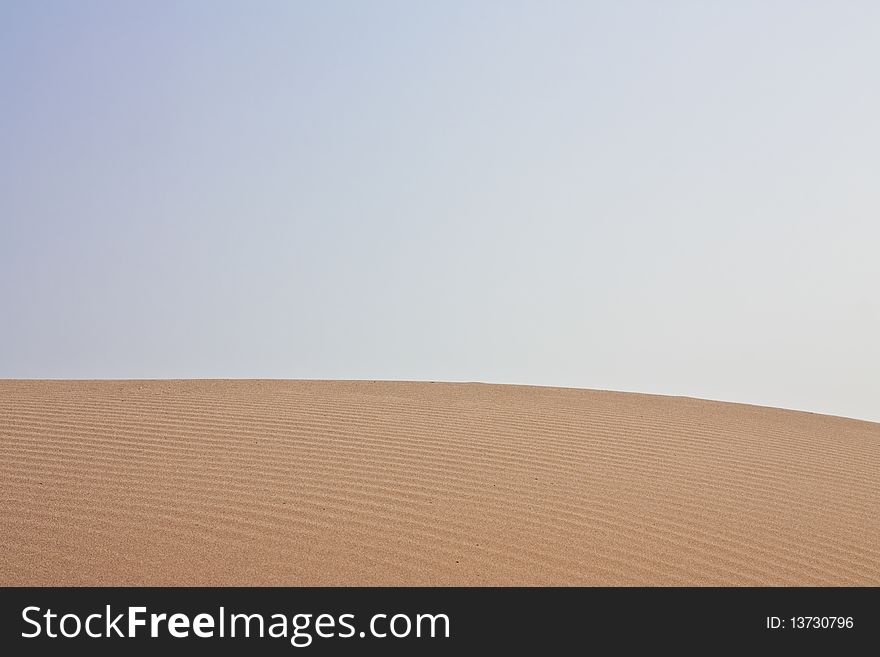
{"points": [[211, 482]]}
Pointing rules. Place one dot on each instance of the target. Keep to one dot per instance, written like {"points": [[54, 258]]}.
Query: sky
{"points": [[677, 198]]}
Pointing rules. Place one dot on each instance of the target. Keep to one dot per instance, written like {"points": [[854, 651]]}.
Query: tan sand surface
{"points": [[386, 483]]}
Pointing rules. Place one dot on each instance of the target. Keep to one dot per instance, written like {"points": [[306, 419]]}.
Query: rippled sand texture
{"points": [[343, 483]]}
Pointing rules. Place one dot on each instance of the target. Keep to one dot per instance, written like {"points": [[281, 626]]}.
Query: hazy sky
{"points": [[668, 197]]}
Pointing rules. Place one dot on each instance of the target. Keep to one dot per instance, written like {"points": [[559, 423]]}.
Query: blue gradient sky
{"points": [[677, 197]]}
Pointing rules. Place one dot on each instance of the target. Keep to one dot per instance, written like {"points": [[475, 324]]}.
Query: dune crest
{"points": [[393, 483]]}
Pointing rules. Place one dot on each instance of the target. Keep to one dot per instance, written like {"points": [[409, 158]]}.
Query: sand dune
{"points": [[340, 483]]}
